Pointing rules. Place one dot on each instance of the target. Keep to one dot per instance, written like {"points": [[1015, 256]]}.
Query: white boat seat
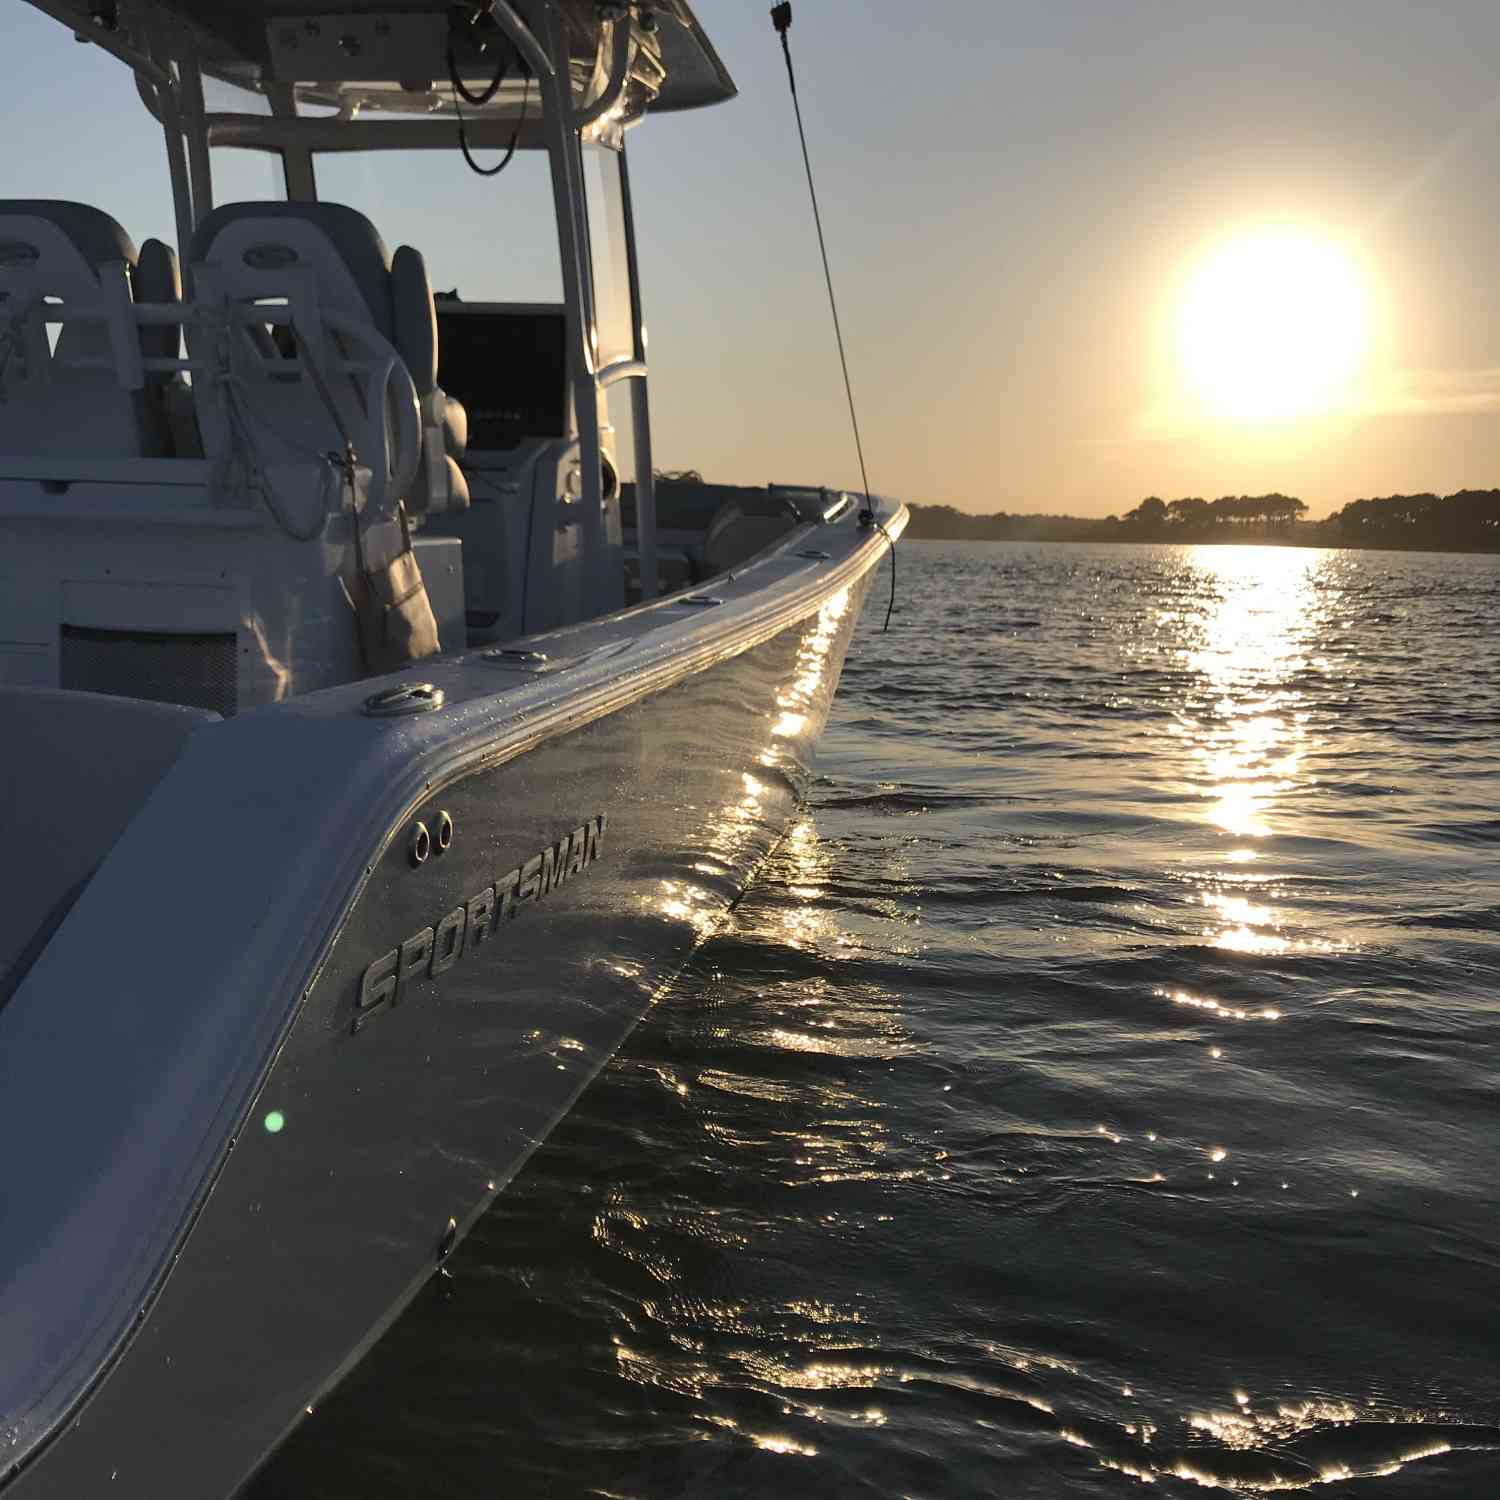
{"points": [[360, 282], [59, 250]]}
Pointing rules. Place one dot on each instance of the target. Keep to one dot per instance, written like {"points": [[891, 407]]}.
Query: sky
{"points": [[1020, 200]]}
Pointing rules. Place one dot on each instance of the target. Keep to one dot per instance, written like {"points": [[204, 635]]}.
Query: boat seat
{"points": [[742, 527], [359, 281], [64, 251]]}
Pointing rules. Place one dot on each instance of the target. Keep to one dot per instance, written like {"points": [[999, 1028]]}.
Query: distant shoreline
{"points": [[1468, 521], [1465, 522], [1327, 544]]}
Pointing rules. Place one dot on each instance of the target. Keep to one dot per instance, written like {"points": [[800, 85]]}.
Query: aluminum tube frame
{"points": [[620, 61], [328, 135], [538, 57], [297, 169], [106, 41], [640, 406], [621, 369], [566, 151], [193, 118], [160, 99]]}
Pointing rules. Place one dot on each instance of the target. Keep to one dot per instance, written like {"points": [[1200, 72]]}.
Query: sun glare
{"points": [[1273, 325]]}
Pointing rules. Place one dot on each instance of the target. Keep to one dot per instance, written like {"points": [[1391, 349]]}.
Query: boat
{"points": [[372, 757]]}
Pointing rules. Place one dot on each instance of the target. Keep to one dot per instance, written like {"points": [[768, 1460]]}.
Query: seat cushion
{"points": [[455, 427], [415, 319], [157, 280], [458, 487]]}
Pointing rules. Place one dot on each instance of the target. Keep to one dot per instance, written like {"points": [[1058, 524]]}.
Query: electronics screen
{"points": [[507, 363]]}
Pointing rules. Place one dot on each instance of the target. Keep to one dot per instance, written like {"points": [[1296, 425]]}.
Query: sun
{"points": [[1272, 325]]}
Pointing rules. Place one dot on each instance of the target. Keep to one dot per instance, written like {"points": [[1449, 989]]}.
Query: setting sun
{"points": [[1273, 325]]}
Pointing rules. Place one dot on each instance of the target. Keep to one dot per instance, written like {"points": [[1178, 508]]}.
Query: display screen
{"points": [[508, 365]]}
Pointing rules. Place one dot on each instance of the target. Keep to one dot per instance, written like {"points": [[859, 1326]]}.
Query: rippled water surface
{"points": [[1096, 1094]]}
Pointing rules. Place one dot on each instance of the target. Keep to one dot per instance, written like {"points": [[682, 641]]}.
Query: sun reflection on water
{"points": [[1244, 725], [1250, 734]]}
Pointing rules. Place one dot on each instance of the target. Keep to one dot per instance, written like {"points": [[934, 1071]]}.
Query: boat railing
{"points": [[622, 369], [820, 505]]}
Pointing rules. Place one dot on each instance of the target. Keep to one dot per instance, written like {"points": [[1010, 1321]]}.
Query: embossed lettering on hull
{"points": [[430, 953]]}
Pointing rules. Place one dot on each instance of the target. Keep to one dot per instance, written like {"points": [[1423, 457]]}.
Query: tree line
{"points": [[1466, 521], [1230, 512]]}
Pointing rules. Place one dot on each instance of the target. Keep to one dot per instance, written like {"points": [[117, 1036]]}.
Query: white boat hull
{"points": [[312, 1061]]}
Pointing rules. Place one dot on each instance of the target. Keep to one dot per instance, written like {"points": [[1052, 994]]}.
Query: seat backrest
{"points": [[248, 252], [62, 251], [253, 251]]}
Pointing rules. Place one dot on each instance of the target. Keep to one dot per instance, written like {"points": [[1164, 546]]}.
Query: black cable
{"points": [[781, 19], [510, 151], [874, 521], [485, 94]]}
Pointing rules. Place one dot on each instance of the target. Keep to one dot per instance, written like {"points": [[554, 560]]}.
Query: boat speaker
{"points": [[198, 671]]}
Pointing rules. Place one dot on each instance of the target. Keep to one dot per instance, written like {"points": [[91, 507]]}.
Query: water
{"points": [[1097, 1088]]}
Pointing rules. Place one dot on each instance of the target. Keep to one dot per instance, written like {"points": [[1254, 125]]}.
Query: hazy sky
{"points": [[1014, 196]]}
